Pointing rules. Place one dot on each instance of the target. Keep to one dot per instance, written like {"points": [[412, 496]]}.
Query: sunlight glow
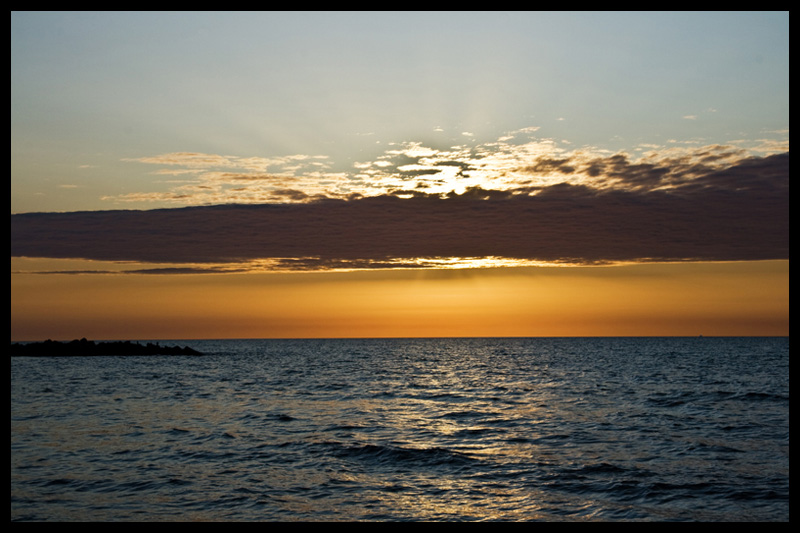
{"points": [[26, 265], [746, 298], [517, 163]]}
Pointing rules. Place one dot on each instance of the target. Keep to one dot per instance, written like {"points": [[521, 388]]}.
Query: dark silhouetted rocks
{"points": [[84, 348]]}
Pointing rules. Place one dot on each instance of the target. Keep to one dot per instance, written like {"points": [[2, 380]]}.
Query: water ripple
{"points": [[394, 430]]}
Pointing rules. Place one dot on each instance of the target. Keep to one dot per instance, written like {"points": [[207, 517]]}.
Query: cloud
{"points": [[710, 207], [514, 161]]}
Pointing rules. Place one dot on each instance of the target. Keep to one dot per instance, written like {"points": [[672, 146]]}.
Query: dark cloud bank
{"points": [[739, 213]]}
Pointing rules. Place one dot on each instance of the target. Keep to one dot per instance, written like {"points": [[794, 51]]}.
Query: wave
{"points": [[400, 456], [472, 430]]}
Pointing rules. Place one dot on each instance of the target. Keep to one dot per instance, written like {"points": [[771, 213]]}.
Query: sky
{"points": [[179, 175]]}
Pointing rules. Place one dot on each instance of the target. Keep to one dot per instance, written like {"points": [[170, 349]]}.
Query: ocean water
{"points": [[554, 429]]}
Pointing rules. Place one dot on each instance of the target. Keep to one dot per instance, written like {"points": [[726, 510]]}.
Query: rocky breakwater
{"points": [[85, 347]]}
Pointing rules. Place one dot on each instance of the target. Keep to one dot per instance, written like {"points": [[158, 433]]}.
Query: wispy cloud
{"points": [[213, 178]]}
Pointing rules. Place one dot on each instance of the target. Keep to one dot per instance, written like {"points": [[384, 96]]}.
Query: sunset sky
{"points": [[394, 174]]}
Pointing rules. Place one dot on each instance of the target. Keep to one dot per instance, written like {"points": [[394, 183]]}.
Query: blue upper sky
{"points": [[140, 110]]}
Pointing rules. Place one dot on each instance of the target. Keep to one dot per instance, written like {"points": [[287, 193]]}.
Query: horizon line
{"points": [[698, 336]]}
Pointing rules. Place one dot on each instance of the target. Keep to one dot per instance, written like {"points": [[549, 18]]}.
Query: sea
{"points": [[407, 430]]}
